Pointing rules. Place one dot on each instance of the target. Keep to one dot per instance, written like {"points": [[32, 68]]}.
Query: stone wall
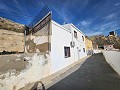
{"points": [[11, 41], [19, 70]]}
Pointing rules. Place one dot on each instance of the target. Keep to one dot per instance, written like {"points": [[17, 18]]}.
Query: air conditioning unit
{"points": [[72, 43]]}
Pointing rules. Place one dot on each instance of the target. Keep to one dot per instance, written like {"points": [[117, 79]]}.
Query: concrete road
{"points": [[94, 74]]}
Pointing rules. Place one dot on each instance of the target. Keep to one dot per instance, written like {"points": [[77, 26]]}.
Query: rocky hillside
{"points": [[10, 25], [102, 40]]}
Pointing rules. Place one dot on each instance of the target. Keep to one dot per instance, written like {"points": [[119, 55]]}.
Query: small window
{"points": [[82, 38], [67, 52], [84, 49], [75, 34]]}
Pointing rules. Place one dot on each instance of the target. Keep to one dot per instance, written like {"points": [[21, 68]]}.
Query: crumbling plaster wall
{"points": [[36, 44], [39, 41], [18, 70]]}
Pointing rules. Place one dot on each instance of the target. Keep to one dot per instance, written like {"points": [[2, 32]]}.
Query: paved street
{"points": [[94, 74]]}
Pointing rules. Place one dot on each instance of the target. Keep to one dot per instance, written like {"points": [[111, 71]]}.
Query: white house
{"points": [[64, 43], [67, 45]]}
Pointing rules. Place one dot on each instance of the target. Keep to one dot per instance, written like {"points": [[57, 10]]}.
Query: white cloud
{"points": [[85, 22], [116, 4], [63, 14], [110, 16], [94, 33]]}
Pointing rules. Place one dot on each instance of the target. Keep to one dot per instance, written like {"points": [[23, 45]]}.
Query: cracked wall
{"points": [[19, 70], [40, 41], [16, 71]]}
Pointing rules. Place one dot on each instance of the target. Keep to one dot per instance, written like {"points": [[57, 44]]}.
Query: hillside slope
{"points": [[102, 40], [10, 25]]}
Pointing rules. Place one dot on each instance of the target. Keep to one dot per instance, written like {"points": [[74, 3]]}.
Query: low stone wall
{"points": [[113, 58], [18, 70]]}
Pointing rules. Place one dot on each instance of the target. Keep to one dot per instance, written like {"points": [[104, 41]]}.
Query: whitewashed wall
{"points": [[62, 36], [78, 43], [113, 58]]}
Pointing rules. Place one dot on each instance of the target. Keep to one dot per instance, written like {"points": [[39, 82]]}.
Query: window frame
{"points": [[82, 38], [75, 34], [67, 52], [83, 49]]}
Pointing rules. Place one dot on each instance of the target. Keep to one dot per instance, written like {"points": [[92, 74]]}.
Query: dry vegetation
{"points": [[10, 25]]}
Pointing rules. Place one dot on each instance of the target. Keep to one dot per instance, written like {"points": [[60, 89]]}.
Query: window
{"points": [[82, 38], [67, 52], [84, 49], [75, 34]]}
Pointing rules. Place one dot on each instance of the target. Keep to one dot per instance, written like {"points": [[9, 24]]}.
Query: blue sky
{"points": [[93, 17]]}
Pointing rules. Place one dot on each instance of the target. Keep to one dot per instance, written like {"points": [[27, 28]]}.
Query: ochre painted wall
{"points": [[89, 45]]}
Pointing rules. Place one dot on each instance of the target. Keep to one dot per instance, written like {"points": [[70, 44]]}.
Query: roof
{"points": [[75, 27]]}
